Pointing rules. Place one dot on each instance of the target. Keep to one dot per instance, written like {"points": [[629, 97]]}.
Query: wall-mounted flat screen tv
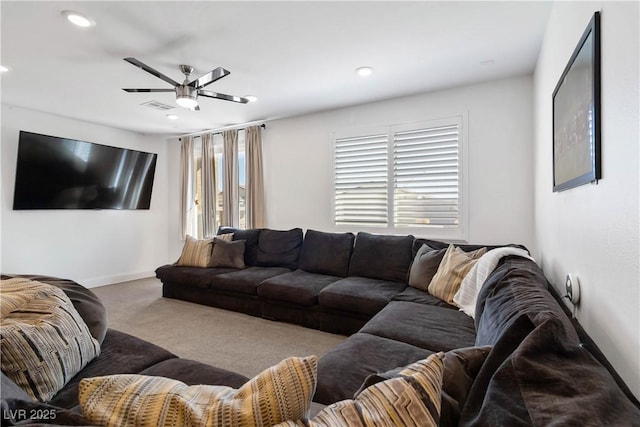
{"points": [[62, 173]]}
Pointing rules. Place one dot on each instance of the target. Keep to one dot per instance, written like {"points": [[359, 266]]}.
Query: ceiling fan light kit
{"points": [[187, 93], [186, 96]]}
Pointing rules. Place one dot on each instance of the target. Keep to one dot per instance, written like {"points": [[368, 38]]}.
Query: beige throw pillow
{"points": [[410, 399], [282, 392], [195, 253], [453, 268], [227, 237], [45, 342]]}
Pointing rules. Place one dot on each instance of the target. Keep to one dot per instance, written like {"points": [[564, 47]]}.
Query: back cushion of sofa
{"points": [[279, 248], [250, 236], [516, 288], [326, 253], [381, 257]]}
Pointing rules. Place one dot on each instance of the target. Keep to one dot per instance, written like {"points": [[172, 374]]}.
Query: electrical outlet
{"points": [[572, 289]]}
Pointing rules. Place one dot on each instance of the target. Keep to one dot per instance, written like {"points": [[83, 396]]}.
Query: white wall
{"points": [[91, 247], [592, 231], [298, 157]]}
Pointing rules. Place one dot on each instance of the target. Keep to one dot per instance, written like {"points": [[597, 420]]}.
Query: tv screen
{"points": [[61, 173]]}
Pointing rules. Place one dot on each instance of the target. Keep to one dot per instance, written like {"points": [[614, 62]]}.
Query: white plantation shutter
{"points": [[402, 179], [426, 176], [361, 180]]}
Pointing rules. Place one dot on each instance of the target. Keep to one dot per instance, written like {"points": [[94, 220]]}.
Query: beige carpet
{"points": [[221, 338]]}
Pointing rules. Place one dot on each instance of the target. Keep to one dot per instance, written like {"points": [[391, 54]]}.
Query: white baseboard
{"points": [[110, 280]]}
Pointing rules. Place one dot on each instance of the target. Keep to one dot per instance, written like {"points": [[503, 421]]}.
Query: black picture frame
{"points": [[576, 114]]}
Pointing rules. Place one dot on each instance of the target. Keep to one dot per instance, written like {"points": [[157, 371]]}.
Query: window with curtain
{"points": [[228, 170], [240, 219], [402, 178]]}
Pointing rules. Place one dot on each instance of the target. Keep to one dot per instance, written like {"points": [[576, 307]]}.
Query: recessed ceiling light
{"points": [[3, 69], [364, 71], [172, 117], [78, 18], [251, 98]]}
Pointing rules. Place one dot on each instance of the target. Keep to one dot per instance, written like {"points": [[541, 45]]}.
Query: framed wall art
{"points": [[576, 114]]}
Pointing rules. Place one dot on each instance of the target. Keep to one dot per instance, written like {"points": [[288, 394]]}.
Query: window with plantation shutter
{"points": [[426, 176], [404, 179], [361, 180]]}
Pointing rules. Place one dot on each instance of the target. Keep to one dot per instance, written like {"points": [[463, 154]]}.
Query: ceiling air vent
{"points": [[158, 105]]}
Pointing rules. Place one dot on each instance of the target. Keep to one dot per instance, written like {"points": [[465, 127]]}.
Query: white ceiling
{"points": [[296, 57]]}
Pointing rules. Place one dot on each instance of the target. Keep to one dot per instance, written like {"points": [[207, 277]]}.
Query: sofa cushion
{"points": [[280, 393], [45, 342], [279, 248], [516, 288], [425, 326], [250, 237], [421, 297], [326, 253], [121, 354], [381, 257], [411, 398], [245, 281], [298, 287], [88, 305], [359, 294], [191, 372], [195, 252], [227, 254], [452, 270], [190, 276], [424, 266], [547, 379], [343, 369]]}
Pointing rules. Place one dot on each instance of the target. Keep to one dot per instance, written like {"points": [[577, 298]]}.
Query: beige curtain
{"points": [[209, 187], [230, 214], [186, 188], [255, 182]]}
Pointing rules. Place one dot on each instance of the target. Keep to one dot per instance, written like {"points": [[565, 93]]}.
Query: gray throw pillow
{"points": [[424, 267], [227, 254]]}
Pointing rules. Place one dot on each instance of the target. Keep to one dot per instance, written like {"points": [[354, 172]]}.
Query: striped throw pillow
{"points": [[411, 399], [452, 270], [44, 340], [282, 392], [195, 253]]}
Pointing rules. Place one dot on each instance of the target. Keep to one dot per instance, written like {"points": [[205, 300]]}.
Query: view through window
{"points": [[195, 215]]}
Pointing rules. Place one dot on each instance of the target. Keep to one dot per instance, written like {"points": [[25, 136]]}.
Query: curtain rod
{"points": [[220, 130]]}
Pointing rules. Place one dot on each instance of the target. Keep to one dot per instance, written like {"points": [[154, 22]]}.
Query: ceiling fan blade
{"points": [[209, 78], [149, 90], [223, 96], [150, 70], [196, 108]]}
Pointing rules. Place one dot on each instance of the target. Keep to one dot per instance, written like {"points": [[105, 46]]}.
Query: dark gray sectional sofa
{"points": [[541, 368]]}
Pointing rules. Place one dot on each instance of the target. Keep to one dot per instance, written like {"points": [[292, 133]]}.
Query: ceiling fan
{"points": [[187, 92]]}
